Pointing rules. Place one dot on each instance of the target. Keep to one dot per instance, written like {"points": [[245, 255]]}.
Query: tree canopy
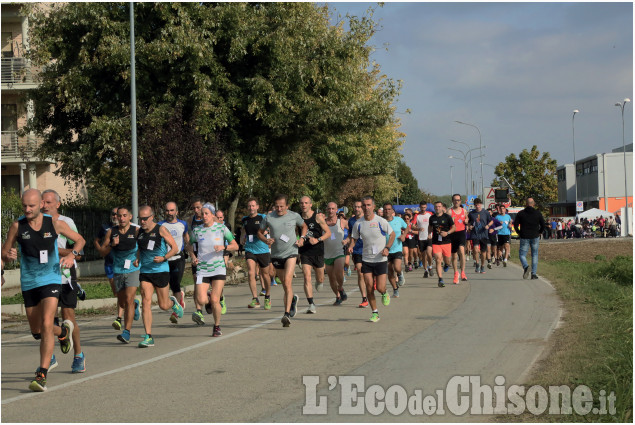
{"points": [[292, 103], [531, 174]]}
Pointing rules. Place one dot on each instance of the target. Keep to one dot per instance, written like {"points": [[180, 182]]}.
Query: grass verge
{"points": [[594, 347]]}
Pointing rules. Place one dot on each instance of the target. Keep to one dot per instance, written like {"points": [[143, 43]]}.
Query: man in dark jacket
{"points": [[529, 224]]}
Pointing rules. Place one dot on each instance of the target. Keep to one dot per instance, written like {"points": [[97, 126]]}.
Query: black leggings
{"points": [[177, 267]]}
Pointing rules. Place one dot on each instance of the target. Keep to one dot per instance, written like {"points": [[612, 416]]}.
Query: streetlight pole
{"points": [[480, 144], [575, 167], [133, 120], [465, 162], [451, 181], [625, 220], [467, 190]]}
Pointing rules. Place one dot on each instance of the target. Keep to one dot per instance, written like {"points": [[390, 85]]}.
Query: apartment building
{"points": [[21, 169]]}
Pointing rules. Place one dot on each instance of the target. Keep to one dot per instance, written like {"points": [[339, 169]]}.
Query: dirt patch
{"points": [[584, 250]]}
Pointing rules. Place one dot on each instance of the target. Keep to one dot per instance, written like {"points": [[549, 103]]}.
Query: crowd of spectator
{"points": [[567, 229]]}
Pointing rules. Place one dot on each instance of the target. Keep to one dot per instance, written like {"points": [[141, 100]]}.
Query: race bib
{"points": [[250, 238], [284, 238], [440, 237], [44, 256], [150, 245], [199, 279], [126, 264], [374, 250], [332, 236]]}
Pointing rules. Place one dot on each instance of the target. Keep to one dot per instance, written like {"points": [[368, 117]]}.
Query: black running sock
{"points": [[118, 319], [310, 300], [267, 297], [199, 311], [44, 371], [286, 313], [364, 299], [149, 335], [222, 298], [64, 333]]}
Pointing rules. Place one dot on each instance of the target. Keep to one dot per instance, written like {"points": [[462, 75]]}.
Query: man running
{"points": [[312, 251], [479, 221], [529, 224], [373, 230], [283, 225], [176, 263], [122, 240], [68, 296], [356, 254], [442, 227], [459, 216], [41, 277], [211, 268], [333, 254], [154, 274], [256, 254], [425, 245], [395, 254], [99, 244], [504, 235]]}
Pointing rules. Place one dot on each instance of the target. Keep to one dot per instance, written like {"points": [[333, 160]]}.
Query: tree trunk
{"points": [[231, 213]]}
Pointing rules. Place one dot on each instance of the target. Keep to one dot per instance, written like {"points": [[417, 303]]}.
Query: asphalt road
{"points": [[495, 324]]}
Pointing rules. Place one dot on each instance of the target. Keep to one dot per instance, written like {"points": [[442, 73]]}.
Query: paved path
{"points": [[495, 324]]}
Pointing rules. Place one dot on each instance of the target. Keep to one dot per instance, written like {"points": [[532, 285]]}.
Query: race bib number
{"points": [[332, 236], [126, 264], [374, 250], [199, 279], [44, 256], [250, 238], [440, 237], [150, 245], [284, 238]]}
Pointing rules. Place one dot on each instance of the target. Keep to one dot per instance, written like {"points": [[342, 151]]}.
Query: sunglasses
{"points": [[144, 218]]}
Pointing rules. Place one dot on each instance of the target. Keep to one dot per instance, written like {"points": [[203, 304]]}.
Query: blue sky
{"points": [[515, 70]]}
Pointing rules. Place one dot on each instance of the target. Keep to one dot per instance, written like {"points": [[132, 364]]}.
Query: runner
{"points": [[256, 254], [197, 221], [442, 229], [282, 225], [153, 255], [68, 296], [504, 235], [312, 251], [395, 254], [227, 256], [459, 216], [122, 240], [479, 221], [493, 237], [41, 277], [99, 244], [211, 269], [333, 254], [425, 245], [356, 254], [176, 263], [410, 236], [373, 230]]}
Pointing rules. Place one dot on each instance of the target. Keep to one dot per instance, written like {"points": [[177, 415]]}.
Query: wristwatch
{"points": [[75, 253]]}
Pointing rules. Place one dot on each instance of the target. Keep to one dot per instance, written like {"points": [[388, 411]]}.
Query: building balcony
{"points": [[17, 148], [16, 73]]}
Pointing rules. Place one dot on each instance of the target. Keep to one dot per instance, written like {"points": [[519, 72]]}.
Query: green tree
{"points": [[270, 81], [531, 174]]}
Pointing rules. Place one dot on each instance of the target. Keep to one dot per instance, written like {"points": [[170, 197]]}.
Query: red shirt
{"points": [[459, 219]]}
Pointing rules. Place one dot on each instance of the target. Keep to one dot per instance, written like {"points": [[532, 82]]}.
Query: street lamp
{"points": [[451, 181], [621, 105], [468, 161], [470, 164], [465, 162], [575, 167], [480, 144]]}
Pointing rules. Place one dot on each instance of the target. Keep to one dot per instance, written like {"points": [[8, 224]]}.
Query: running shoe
{"points": [[39, 383], [489, 265], [463, 277], [319, 286], [533, 276], [254, 303], [274, 282], [66, 343], [475, 264], [526, 273], [409, 267], [173, 318], [420, 263], [197, 317], [312, 309], [53, 364], [446, 268], [431, 270], [117, 324], [425, 274], [348, 272], [363, 304], [441, 283], [267, 304], [176, 307], [344, 295], [137, 313], [374, 317], [400, 280], [286, 321], [456, 278], [385, 298], [477, 269], [498, 262], [208, 305], [147, 342], [217, 331], [338, 301], [182, 302], [223, 306], [395, 293], [294, 303], [277, 280], [79, 364], [124, 336], [482, 270], [263, 292], [416, 265], [504, 263]]}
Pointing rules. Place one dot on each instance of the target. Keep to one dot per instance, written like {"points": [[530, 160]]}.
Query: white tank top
{"points": [[333, 247]]}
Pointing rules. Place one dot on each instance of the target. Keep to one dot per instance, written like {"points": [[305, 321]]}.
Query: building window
{"points": [[578, 169], [561, 175], [587, 167], [7, 44], [594, 166]]}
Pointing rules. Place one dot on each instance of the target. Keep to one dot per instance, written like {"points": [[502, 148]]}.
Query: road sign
{"points": [[507, 203], [579, 206], [470, 199], [491, 192]]}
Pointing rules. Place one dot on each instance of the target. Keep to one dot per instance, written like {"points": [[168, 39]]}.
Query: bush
{"points": [[619, 270], [11, 210]]}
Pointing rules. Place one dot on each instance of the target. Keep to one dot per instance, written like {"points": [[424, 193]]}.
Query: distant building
{"points": [[600, 180], [20, 168]]}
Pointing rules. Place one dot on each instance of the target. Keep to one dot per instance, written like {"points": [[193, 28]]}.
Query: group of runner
{"points": [[151, 257]]}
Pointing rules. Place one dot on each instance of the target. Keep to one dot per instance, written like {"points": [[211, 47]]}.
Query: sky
{"points": [[515, 70]]}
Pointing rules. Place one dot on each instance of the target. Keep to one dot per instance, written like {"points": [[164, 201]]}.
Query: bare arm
{"points": [[9, 253]]}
